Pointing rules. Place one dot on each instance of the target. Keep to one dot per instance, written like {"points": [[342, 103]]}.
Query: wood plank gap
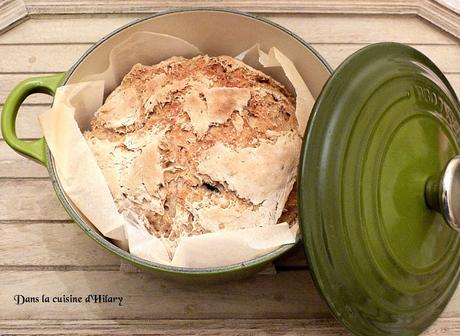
{"points": [[59, 268], [445, 56], [25, 139], [128, 321], [36, 221], [31, 104], [59, 43], [29, 72], [23, 178], [44, 105], [89, 43]]}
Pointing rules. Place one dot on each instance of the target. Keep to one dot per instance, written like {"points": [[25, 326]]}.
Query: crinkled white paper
{"points": [[84, 183]]}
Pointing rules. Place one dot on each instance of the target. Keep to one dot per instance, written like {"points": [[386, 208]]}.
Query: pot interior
{"points": [[214, 32]]}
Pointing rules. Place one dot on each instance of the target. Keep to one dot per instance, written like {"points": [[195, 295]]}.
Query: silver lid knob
{"points": [[443, 193]]}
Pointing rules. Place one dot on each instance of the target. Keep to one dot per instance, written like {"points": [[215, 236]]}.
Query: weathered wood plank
{"points": [[451, 4], [27, 199], [14, 165], [447, 58], [324, 327], [442, 16], [27, 126], [454, 80], [265, 6], [50, 244], [9, 81], [313, 327], [363, 29], [284, 295], [314, 28], [11, 13], [35, 58]]}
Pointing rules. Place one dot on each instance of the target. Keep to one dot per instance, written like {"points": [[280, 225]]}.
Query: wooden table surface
{"points": [[43, 252]]}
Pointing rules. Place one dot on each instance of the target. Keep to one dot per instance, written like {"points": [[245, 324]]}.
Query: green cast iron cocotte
{"points": [[39, 151]]}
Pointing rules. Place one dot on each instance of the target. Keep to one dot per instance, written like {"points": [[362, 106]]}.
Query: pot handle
{"points": [[35, 149], [442, 193]]}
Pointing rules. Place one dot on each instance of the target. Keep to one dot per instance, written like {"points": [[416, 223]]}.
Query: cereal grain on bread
{"points": [[198, 145]]}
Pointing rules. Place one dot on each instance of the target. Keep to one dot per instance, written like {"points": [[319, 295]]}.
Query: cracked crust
{"points": [[198, 145]]}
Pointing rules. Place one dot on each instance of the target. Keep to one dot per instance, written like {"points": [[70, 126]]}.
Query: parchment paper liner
{"points": [[83, 181]]}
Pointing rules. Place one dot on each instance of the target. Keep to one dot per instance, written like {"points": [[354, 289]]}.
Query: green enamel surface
{"points": [[385, 122], [34, 150], [401, 187]]}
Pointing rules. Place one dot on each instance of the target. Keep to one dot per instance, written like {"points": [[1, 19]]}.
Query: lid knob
{"points": [[443, 193]]}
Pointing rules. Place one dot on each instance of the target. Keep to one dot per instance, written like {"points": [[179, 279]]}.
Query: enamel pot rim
{"points": [[253, 263]]}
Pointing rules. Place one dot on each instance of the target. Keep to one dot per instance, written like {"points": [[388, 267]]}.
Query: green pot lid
{"points": [[385, 124]]}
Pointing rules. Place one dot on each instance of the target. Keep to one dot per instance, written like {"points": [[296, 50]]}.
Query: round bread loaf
{"points": [[190, 146]]}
